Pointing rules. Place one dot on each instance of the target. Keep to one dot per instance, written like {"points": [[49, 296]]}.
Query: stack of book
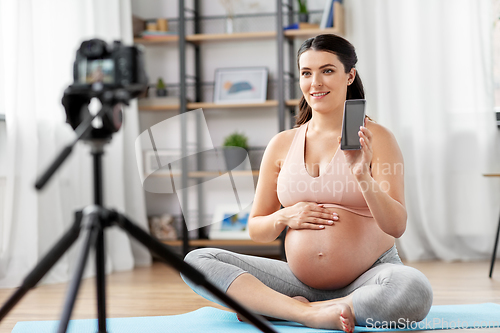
{"points": [[329, 13]]}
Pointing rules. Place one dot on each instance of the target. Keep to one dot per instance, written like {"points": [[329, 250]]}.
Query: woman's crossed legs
{"points": [[388, 292]]}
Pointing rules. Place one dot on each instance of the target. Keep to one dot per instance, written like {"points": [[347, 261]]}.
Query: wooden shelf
{"points": [[236, 173], [295, 33], [198, 38], [168, 107], [292, 102], [232, 105], [222, 242], [203, 105], [202, 174], [157, 40]]}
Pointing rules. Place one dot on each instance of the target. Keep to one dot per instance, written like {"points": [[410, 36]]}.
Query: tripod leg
{"points": [[101, 282], [494, 254], [91, 232], [44, 265], [164, 252]]}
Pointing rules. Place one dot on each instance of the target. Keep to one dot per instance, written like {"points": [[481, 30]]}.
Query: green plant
{"points": [[236, 139], [160, 84], [302, 6]]}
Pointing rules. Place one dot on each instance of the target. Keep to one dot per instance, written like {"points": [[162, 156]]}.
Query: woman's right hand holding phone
{"points": [[307, 215]]}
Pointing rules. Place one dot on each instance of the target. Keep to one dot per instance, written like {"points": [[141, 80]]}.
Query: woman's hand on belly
{"points": [[307, 215], [333, 258]]}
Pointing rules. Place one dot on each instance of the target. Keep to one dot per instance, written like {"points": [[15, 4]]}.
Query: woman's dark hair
{"points": [[347, 55]]}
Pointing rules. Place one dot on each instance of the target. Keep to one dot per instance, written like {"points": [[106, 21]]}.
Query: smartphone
{"points": [[354, 117]]}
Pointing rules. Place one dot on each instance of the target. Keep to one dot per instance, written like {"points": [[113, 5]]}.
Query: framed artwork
{"points": [[240, 85], [229, 222]]}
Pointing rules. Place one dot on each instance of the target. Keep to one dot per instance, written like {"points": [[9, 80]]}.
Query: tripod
{"points": [[92, 221]]}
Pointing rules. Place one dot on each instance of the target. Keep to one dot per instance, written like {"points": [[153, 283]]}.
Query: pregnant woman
{"points": [[342, 210]]}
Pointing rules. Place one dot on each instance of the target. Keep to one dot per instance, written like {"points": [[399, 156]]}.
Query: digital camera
{"points": [[99, 67]]}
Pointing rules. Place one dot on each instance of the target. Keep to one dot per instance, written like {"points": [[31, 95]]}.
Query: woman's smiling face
{"points": [[323, 80]]}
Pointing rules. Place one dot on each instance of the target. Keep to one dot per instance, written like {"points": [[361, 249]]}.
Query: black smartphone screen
{"points": [[354, 116]]}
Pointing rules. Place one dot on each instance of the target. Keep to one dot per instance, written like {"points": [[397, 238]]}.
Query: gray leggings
{"points": [[387, 292]]}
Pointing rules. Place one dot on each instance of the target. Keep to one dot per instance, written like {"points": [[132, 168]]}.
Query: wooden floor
{"points": [[158, 290]]}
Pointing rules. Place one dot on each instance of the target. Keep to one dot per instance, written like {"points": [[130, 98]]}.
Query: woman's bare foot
{"points": [[298, 298], [331, 316]]}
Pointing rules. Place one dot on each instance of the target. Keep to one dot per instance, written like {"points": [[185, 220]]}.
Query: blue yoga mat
{"points": [[209, 320]]}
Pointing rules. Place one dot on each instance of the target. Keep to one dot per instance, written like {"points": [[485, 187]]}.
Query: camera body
{"points": [[99, 66], [113, 73]]}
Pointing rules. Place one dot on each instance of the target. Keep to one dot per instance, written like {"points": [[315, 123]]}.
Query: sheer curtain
{"points": [[428, 74], [38, 43]]}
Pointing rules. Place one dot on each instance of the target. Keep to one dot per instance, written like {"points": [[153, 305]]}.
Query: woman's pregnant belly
{"points": [[333, 257]]}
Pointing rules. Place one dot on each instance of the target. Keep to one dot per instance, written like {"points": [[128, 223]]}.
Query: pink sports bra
{"points": [[334, 187]]}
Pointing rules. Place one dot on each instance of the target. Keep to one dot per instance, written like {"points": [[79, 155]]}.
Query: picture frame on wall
{"points": [[229, 222], [240, 85]]}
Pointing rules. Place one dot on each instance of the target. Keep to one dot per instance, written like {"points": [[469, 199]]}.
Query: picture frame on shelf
{"points": [[240, 85], [228, 222], [165, 156]]}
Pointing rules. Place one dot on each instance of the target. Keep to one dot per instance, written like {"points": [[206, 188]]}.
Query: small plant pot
{"points": [[304, 17], [235, 158], [161, 92]]}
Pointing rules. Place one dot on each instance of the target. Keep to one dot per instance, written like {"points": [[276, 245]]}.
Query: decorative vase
{"points": [[304, 17], [229, 24], [161, 92], [235, 158]]}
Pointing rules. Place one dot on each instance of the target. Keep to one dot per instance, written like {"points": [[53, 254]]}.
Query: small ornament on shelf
{"points": [[229, 7], [162, 227], [157, 29], [161, 89], [236, 151], [303, 12]]}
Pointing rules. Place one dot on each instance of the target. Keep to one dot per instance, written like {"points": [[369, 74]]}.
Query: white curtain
{"points": [[428, 75], [38, 43]]}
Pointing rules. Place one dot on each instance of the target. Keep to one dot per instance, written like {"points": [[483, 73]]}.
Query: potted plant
{"points": [[235, 150], [303, 12], [161, 88]]}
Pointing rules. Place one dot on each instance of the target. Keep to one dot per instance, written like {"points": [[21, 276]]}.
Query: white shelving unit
{"points": [[183, 41]]}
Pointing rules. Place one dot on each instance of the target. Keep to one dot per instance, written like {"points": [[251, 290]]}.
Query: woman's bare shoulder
{"points": [[280, 144], [284, 137]]}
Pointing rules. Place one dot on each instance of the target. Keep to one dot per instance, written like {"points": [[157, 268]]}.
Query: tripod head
{"points": [[76, 104]]}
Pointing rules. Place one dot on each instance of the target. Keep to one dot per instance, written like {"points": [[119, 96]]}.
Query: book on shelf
{"points": [[301, 25], [327, 20]]}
